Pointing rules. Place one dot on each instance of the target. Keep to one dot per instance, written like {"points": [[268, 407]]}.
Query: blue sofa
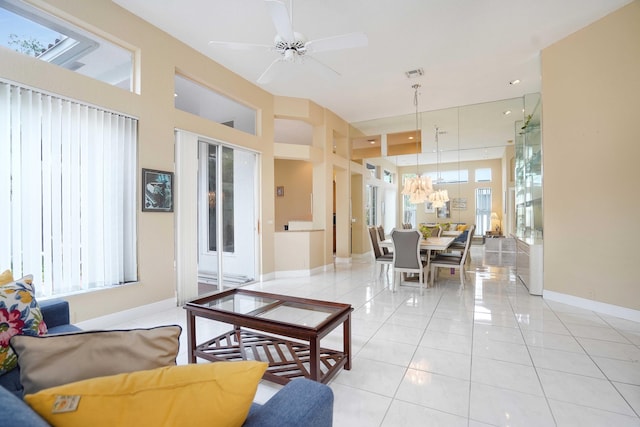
{"points": [[301, 402], [55, 313]]}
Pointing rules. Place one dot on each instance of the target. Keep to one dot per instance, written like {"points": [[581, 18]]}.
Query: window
{"points": [[373, 170], [483, 210], [449, 177], [33, 32], [227, 197], [409, 210], [196, 99], [483, 175], [371, 204], [68, 178]]}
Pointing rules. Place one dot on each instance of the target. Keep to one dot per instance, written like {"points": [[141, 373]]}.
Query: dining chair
{"points": [[406, 255], [383, 260], [452, 261], [407, 226], [460, 242], [381, 235]]}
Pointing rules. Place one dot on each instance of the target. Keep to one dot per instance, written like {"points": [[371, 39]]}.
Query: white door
{"points": [[227, 215]]}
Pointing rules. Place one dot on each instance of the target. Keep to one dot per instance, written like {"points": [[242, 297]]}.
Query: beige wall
{"points": [[591, 147], [160, 57], [296, 178]]}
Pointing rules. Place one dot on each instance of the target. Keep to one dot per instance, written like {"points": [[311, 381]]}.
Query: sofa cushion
{"points": [[198, 394], [17, 413], [6, 277], [300, 402], [19, 314], [53, 360], [462, 238]]}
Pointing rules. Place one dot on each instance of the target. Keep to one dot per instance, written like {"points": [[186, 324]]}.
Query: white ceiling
{"points": [[469, 49]]}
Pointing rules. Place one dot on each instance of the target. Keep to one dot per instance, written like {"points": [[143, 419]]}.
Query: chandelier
{"points": [[438, 198], [419, 187]]}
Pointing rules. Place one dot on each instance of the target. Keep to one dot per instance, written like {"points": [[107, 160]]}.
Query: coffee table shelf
{"points": [[287, 359]]}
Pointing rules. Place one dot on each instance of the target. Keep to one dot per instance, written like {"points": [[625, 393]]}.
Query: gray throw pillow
{"points": [[53, 360]]}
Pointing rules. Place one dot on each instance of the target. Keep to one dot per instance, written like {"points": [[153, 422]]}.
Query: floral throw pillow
{"points": [[19, 315]]}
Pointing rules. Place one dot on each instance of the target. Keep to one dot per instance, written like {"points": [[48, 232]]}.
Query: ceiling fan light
{"points": [[289, 55]]}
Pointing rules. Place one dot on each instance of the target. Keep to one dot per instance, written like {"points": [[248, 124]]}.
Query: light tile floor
{"points": [[487, 355]]}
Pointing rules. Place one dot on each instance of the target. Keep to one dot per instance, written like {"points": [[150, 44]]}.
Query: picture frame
{"points": [[280, 191], [428, 207], [157, 191], [445, 211], [459, 203]]}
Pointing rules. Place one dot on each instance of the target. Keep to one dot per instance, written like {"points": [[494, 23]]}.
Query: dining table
{"points": [[430, 243]]}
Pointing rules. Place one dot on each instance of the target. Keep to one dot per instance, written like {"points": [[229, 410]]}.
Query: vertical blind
{"points": [[68, 192]]}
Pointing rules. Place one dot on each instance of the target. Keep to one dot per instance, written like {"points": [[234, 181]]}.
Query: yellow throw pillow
{"points": [[218, 394], [462, 227], [6, 277]]}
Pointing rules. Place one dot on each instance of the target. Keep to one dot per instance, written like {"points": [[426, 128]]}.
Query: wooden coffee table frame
{"points": [[292, 351]]}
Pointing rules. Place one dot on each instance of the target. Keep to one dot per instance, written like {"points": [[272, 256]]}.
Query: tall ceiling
{"points": [[469, 50]]}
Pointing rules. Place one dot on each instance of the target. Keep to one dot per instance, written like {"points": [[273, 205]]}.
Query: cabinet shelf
{"points": [[528, 172]]}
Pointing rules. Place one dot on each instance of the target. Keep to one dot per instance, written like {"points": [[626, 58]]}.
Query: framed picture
{"points": [[459, 203], [280, 191], [157, 190], [428, 207], [445, 211]]}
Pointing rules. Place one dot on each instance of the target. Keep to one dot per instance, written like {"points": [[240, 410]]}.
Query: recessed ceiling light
{"points": [[514, 82], [372, 141], [410, 137], [506, 113]]}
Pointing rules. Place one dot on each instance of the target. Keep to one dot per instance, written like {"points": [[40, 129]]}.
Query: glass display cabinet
{"points": [[529, 221], [529, 170]]}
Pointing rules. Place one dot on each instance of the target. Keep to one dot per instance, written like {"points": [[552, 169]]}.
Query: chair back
{"points": [[467, 244], [384, 250], [373, 235], [406, 248]]}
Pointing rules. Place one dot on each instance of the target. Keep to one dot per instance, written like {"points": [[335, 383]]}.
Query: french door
{"points": [[227, 215]]}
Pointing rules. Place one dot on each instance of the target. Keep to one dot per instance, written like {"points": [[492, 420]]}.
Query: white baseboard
{"points": [[268, 276], [597, 306], [343, 260], [127, 315], [300, 273]]}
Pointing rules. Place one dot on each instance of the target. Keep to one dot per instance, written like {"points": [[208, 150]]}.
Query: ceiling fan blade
{"points": [[345, 41], [319, 68], [271, 71], [241, 46], [280, 17]]}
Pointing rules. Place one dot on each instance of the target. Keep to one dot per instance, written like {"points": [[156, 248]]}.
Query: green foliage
{"points": [[426, 231], [29, 46]]}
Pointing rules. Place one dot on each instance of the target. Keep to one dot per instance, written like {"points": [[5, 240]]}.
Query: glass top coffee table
{"points": [[282, 330]]}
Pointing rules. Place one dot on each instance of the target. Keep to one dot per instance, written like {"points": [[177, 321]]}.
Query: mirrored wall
{"points": [[470, 151]]}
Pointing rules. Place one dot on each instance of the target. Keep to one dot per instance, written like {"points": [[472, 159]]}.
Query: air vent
{"points": [[412, 74]]}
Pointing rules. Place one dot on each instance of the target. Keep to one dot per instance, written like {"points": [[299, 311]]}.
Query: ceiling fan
{"points": [[293, 47]]}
